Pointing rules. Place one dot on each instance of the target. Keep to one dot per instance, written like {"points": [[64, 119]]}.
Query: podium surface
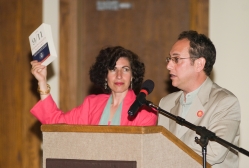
{"points": [[149, 147]]}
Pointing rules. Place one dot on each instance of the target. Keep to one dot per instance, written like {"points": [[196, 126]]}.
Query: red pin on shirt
{"points": [[200, 113]]}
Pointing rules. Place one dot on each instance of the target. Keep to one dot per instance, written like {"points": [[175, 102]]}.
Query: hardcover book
{"points": [[42, 44]]}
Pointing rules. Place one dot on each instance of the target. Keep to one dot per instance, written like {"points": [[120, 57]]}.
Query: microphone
{"points": [[146, 89]]}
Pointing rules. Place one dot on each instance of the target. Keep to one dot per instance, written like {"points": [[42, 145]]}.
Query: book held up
{"points": [[42, 44]]}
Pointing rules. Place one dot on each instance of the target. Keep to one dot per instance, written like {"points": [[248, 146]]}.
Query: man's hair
{"points": [[200, 46]]}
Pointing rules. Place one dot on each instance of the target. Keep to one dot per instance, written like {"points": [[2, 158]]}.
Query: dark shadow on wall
{"points": [[169, 88]]}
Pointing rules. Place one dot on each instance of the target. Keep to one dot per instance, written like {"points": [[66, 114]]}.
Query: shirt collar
{"points": [[190, 96]]}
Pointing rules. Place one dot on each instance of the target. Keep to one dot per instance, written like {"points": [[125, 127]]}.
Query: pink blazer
{"points": [[90, 111]]}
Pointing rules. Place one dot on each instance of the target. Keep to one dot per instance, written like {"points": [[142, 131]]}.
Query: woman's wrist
{"points": [[43, 90]]}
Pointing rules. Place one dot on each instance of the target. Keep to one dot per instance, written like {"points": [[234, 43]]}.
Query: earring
{"points": [[131, 84], [105, 85]]}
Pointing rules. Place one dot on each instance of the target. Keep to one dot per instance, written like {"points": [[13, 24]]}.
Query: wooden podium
{"points": [[115, 146]]}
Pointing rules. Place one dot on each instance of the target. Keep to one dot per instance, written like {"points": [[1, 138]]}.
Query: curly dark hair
{"points": [[200, 46], [106, 60]]}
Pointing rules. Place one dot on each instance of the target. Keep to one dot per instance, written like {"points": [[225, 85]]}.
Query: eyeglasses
{"points": [[174, 59]]}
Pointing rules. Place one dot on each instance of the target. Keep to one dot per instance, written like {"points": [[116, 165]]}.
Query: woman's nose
{"points": [[119, 74]]}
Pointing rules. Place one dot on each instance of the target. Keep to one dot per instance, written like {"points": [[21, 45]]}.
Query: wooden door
{"points": [[20, 134], [149, 28]]}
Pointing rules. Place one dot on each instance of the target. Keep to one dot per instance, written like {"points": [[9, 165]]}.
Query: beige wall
{"points": [[51, 16], [229, 25]]}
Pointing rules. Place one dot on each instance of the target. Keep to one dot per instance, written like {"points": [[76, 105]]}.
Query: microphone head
{"points": [[148, 85]]}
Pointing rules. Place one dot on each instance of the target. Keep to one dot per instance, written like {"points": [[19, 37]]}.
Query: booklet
{"points": [[42, 44]]}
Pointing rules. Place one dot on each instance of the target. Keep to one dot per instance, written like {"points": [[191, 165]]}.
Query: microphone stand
{"points": [[205, 134]]}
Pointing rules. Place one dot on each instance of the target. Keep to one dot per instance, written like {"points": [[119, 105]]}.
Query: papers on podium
{"points": [[42, 44]]}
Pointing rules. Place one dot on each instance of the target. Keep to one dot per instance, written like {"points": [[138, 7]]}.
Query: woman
{"points": [[116, 70]]}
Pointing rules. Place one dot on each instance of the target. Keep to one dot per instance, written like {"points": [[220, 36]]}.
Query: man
{"points": [[200, 101]]}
